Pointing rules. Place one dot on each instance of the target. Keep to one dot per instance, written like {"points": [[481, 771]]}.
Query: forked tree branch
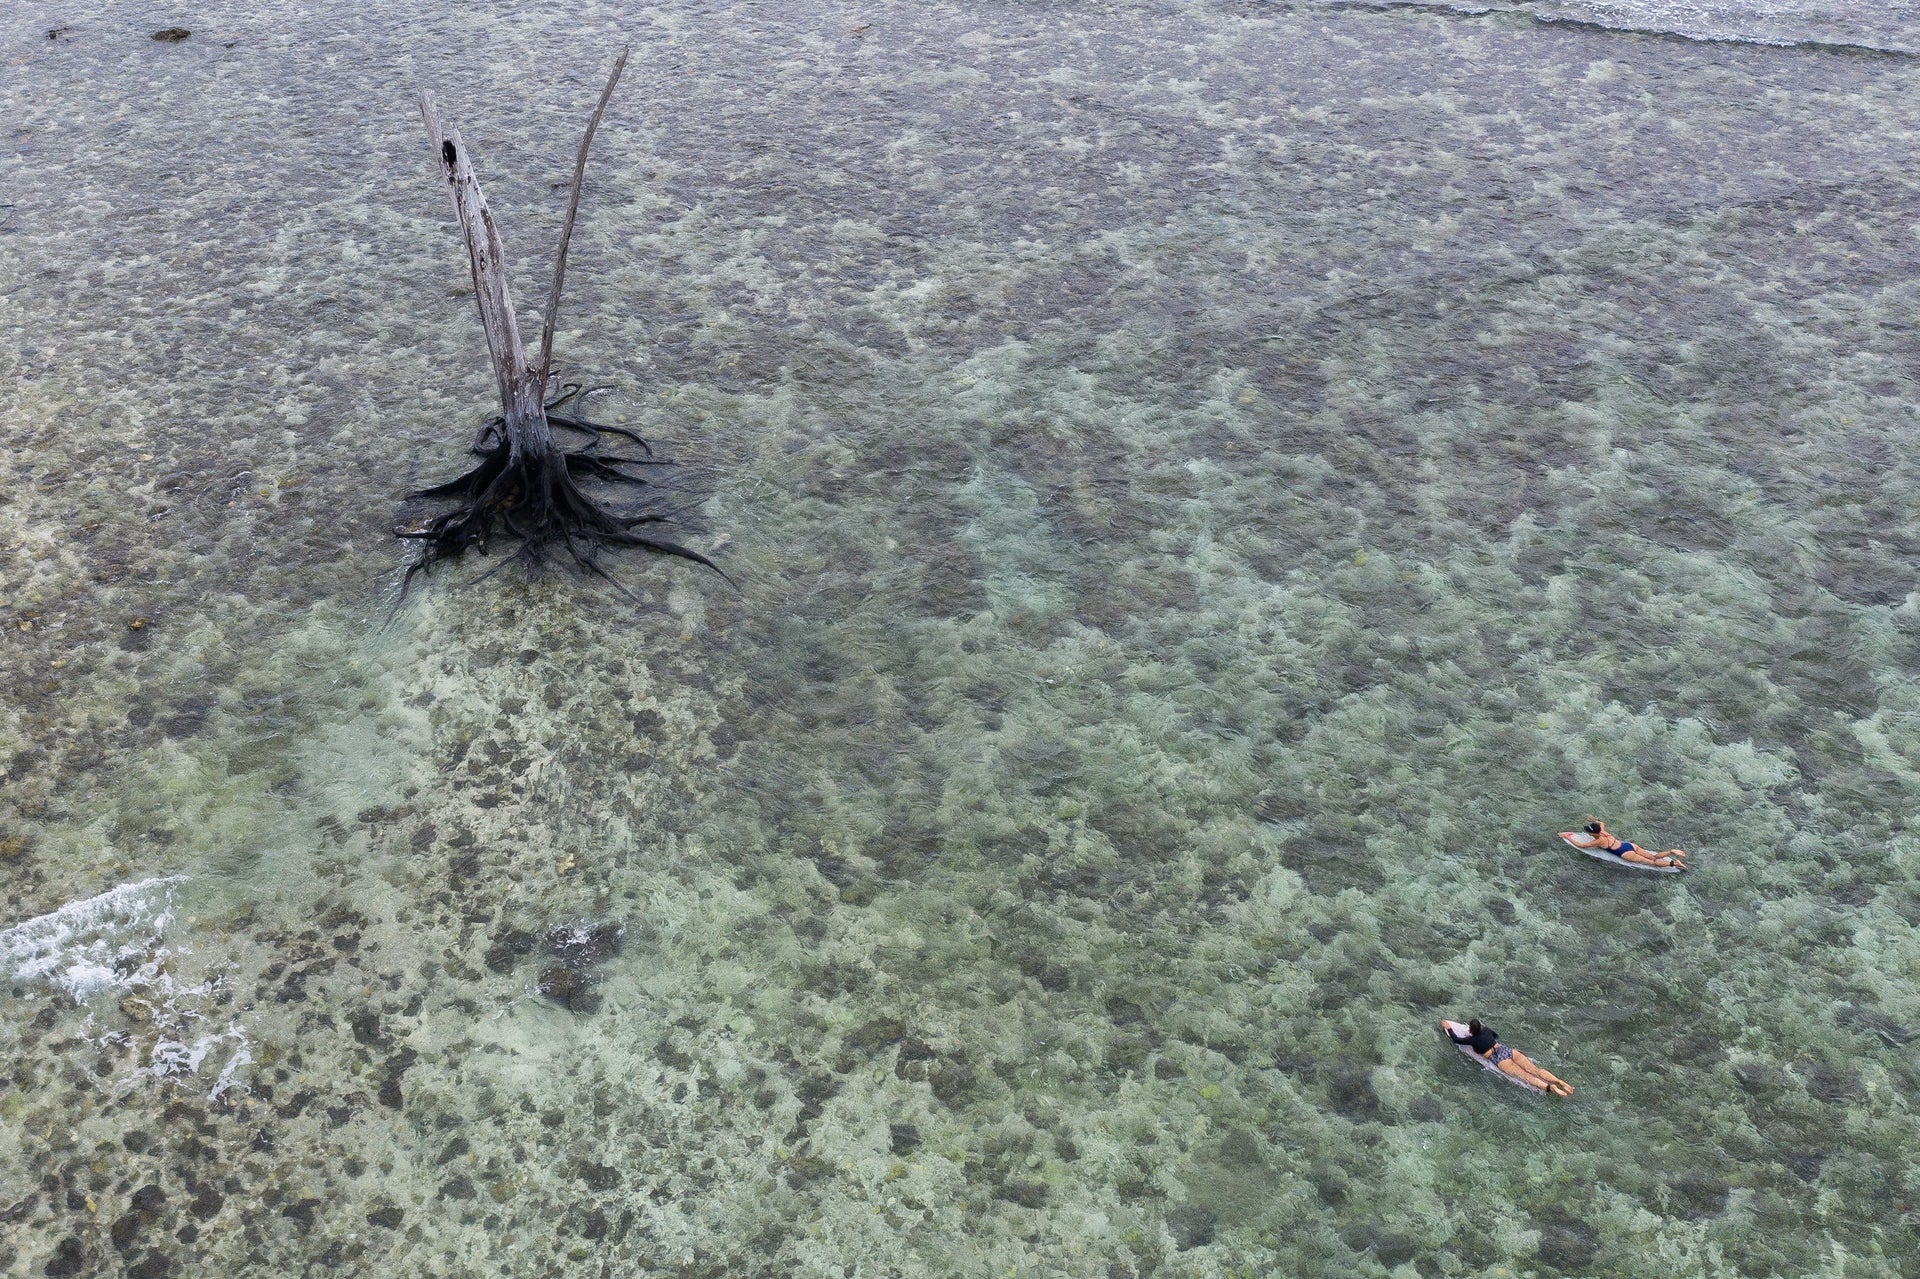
{"points": [[566, 230]]}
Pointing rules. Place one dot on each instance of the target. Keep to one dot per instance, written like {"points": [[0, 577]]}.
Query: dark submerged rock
{"points": [[1834, 1084], [69, 1258], [584, 943], [366, 1029], [568, 987], [1698, 1194], [1567, 1242], [877, 1034], [802, 1169], [301, 1212], [171, 35], [1239, 1149], [206, 1203], [1395, 1249], [397, 1066], [1350, 1090], [1191, 1226], [1028, 1194], [155, 1265], [1804, 1164], [599, 1176], [814, 1091], [125, 1232], [1390, 1246], [126, 1229], [509, 946], [952, 1081]]}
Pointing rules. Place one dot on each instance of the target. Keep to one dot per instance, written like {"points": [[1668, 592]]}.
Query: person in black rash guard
{"points": [[1509, 1061]]}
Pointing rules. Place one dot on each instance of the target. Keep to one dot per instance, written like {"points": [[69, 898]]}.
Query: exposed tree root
{"points": [[539, 502]]}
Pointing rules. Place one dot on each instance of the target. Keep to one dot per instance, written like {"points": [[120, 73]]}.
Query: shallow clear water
{"points": [[1214, 488]]}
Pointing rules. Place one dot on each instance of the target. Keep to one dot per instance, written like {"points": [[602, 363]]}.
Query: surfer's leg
{"points": [[1526, 1066], [1550, 1082], [1522, 1070], [1513, 1062], [1641, 857], [1538, 1075]]}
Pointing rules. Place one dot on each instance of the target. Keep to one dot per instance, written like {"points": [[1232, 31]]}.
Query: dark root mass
{"points": [[538, 500]]}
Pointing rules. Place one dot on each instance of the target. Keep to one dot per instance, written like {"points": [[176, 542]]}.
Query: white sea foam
{"points": [[115, 943], [1784, 22], [242, 1056], [1887, 28], [110, 941], [175, 1059]]}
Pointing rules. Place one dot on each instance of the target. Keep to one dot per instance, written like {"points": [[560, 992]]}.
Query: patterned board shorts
{"points": [[1500, 1053]]}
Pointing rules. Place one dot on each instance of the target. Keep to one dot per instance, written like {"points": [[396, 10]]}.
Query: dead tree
{"points": [[526, 487]]}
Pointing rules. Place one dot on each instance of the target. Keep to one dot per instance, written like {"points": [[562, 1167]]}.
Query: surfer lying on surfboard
{"points": [[1486, 1044], [1607, 841]]}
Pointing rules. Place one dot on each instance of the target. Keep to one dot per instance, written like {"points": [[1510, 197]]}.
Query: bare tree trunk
{"points": [[525, 486], [521, 408]]}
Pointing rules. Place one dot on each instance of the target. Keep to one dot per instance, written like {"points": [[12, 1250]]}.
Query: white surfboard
{"points": [[1586, 844], [1482, 1062]]}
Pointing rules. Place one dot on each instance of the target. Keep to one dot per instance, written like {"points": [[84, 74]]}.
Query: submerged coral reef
{"points": [[1213, 490]]}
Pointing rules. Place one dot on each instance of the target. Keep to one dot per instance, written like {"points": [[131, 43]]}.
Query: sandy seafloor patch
{"points": [[1213, 487]]}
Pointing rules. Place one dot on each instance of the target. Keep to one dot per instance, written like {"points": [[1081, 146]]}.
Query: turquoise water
{"points": [[1213, 489]]}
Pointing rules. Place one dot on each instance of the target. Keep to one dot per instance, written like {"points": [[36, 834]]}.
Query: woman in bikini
{"points": [[1606, 841], [1509, 1061]]}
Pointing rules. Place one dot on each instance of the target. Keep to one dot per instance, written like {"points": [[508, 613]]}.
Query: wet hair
{"points": [[1474, 1026], [1593, 828]]}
